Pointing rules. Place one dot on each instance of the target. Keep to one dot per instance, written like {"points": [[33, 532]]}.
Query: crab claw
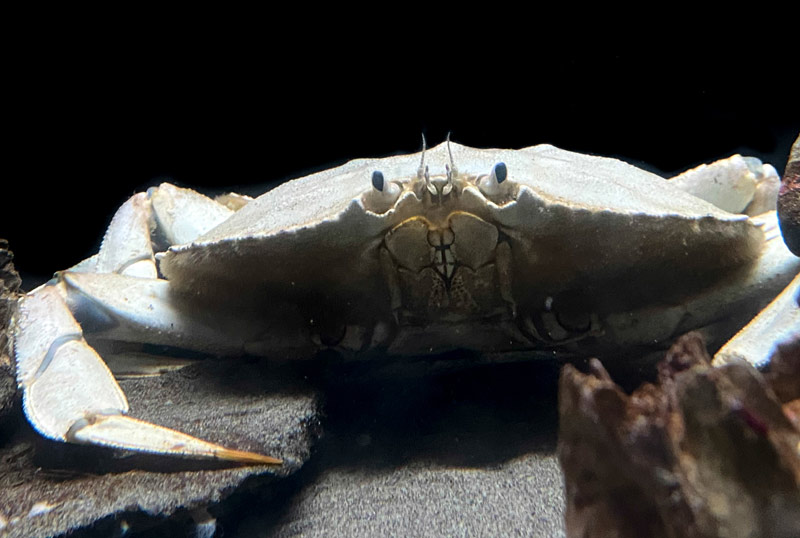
{"points": [[69, 394]]}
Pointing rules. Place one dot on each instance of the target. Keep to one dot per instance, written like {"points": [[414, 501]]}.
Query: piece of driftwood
{"points": [[706, 452], [789, 200], [9, 291]]}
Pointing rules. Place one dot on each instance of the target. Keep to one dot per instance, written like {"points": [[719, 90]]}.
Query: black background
{"points": [[92, 123]]}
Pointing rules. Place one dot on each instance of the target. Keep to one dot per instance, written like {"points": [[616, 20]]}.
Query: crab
{"points": [[538, 250]]}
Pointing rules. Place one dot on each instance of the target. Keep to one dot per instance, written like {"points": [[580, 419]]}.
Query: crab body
{"points": [[539, 250]]}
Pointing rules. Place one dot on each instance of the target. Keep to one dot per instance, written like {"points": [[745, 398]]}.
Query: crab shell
{"points": [[568, 233]]}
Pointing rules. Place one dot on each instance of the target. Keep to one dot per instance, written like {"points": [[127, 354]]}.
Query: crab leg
{"points": [[182, 215], [777, 324], [141, 310], [745, 185], [736, 184], [69, 394], [126, 247]]}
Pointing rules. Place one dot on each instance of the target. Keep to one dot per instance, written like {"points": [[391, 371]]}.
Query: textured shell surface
{"points": [[578, 209]]}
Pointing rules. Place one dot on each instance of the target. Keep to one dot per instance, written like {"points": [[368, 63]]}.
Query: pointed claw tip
{"points": [[121, 431], [251, 458]]}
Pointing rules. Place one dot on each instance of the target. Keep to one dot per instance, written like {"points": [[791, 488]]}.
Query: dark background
{"points": [[90, 125]]}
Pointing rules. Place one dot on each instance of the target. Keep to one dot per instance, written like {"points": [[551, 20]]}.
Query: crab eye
{"points": [[377, 180], [383, 194], [490, 184], [500, 172], [387, 190]]}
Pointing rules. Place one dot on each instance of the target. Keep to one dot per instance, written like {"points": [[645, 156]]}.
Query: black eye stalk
{"points": [[383, 194], [490, 185], [378, 181], [500, 172], [386, 190]]}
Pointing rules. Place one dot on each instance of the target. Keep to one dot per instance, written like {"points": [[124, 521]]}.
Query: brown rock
{"points": [[789, 200], [783, 376], [49, 488], [706, 452], [9, 291]]}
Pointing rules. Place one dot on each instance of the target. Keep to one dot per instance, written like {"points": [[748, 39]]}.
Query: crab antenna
{"points": [[421, 168], [452, 171]]}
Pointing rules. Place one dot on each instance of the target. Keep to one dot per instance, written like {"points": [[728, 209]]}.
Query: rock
{"points": [[707, 452], [783, 376], [789, 200], [49, 488], [9, 291]]}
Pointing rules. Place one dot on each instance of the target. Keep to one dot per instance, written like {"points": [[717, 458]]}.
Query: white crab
{"points": [[538, 249]]}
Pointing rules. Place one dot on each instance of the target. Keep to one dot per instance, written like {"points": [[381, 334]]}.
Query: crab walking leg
{"points": [[142, 310], [70, 395], [179, 215], [120, 308], [60, 378], [736, 184], [126, 248], [777, 324], [175, 214], [123, 299], [182, 215]]}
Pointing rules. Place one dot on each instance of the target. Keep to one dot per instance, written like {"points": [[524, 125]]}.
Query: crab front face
{"points": [[446, 271], [443, 263]]}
